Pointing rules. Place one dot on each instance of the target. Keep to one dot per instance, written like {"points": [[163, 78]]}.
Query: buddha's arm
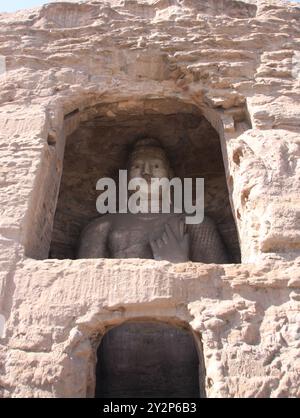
{"points": [[93, 240], [206, 244]]}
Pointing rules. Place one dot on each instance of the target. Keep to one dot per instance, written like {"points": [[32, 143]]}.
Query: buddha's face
{"points": [[148, 165]]}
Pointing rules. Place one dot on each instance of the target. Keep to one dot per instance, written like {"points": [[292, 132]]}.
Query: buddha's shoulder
{"points": [[207, 223], [98, 225]]}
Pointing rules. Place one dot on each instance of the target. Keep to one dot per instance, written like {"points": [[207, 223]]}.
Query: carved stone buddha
{"points": [[159, 236]]}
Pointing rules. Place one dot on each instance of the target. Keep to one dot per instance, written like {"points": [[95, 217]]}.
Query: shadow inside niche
{"points": [[100, 147]]}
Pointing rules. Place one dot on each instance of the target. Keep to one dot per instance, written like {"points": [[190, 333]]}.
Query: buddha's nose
{"points": [[146, 168]]}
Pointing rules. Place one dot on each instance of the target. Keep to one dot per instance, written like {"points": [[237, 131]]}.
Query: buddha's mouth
{"points": [[147, 177]]}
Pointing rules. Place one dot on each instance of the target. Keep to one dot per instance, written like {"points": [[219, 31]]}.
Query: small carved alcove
{"points": [[99, 148], [149, 359]]}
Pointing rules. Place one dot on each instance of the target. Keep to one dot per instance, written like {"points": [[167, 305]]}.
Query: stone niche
{"points": [[149, 359], [100, 145]]}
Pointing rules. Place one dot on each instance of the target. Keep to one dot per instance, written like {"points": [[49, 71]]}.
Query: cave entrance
{"points": [[149, 359], [99, 147]]}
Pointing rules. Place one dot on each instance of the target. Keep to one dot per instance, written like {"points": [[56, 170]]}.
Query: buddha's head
{"points": [[148, 160]]}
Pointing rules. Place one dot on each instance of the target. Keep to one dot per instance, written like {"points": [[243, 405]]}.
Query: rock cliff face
{"points": [[236, 65]]}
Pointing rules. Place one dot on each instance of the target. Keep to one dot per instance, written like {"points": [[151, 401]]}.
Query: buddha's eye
{"points": [[136, 166], [156, 166]]}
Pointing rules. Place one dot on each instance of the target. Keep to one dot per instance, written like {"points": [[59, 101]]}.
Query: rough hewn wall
{"points": [[65, 64]]}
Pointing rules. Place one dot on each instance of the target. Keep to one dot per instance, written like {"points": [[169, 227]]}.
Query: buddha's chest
{"points": [[130, 238]]}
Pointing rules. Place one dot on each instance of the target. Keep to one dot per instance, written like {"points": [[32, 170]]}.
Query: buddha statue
{"points": [[159, 236]]}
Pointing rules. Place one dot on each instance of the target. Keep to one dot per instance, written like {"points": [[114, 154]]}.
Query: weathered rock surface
{"points": [[68, 63]]}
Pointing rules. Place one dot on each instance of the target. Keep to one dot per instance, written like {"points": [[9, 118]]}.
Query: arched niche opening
{"points": [[100, 145], [149, 359]]}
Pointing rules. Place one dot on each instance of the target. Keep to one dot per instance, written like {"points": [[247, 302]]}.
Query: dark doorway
{"points": [[147, 359]]}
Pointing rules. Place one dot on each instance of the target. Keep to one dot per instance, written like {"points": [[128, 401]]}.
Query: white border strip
{"points": [[296, 65], [2, 326], [2, 64]]}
